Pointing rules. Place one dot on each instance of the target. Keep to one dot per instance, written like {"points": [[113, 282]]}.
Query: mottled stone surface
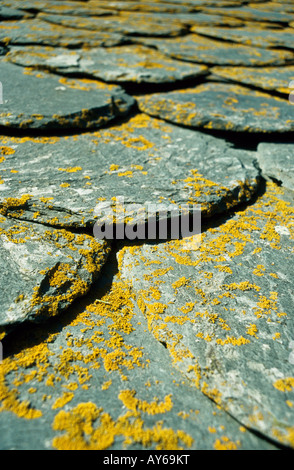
{"points": [[221, 106], [223, 310], [196, 48], [137, 64], [277, 162], [144, 160], [267, 78], [73, 104], [169, 333], [44, 270], [36, 32], [134, 24], [251, 36]]}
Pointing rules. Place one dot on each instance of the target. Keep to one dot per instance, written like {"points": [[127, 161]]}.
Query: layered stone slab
{"points": [[255, 13], [276, 161], [122, 64], [43, 270], [7, 13], [222, 306], [251, 36], [221, 106], [134, 24], [48, 102], [35, 31], [267, 78], [196, 48], [97, 379], [145, 161]]}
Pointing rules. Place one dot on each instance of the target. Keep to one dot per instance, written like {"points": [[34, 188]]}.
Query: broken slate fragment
{"points": [[44, 270], [196, 48], [276, 161], [144, 160], [223, 309], [48, 102], [137, 64], [221, 106]]}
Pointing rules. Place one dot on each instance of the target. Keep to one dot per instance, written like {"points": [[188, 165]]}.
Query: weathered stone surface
{"points": [[71, 104], [13, 14], [132, 63], [202, 18], [267, 78], [251, 36], [196, 48], [97, 379], [254, 13], [134, 24], [44, 270], [224, 310], [35, 31], [145, 161], [221, 106], [277, 162]]}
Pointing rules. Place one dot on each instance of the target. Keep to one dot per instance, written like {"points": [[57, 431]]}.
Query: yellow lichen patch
{"points": [[88, 427], [224, 443], [63, 400], [132, 403], [284, 385]]}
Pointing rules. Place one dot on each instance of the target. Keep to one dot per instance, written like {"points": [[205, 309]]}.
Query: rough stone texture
{"points": [[221, 106], [156, 342], [277, 162], [72, 104], [249, 35], [145, 161], [222, 308], [196, 48], [40, 32], [44, 270], [137, 64], [267, 78], [130, 24]]}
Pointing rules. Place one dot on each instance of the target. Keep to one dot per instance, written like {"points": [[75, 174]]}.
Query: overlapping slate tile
{"points": [[276, 161], [251, 35], [137, 64], [44, 270], [35, 31], [50, 102], [254, 13], [224, 310], [97, 379], [202, 18], [267, 78], [145, 161], [133, 24], [7, 13], [196, 48], [221, 106]]}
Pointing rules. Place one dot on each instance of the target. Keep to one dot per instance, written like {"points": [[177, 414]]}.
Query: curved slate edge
{"points": [[144, 160], [44, 270], [277, 162], [75, 104]]}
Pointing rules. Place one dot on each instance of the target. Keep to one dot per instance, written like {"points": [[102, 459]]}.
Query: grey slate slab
{"points": [[35, 31], [44, 101], [144, 160], [267, 78], [276, 161], [131, 63], [222, 106], [222, 306], [196, 48], [133, 24], [44, 270], [97, 379]]}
